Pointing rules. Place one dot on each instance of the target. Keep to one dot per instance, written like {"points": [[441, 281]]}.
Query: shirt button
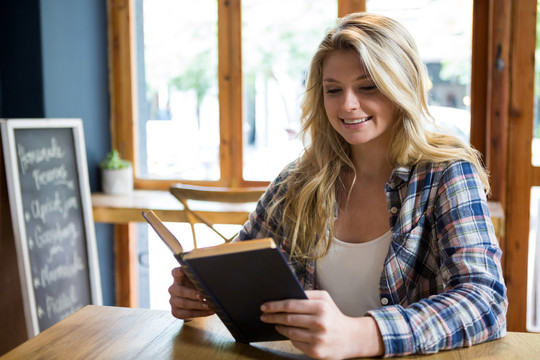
{"points": [[384, 301], [393, 210]]}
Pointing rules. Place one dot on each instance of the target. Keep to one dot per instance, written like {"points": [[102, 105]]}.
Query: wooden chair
{"points": [[184, 193]]}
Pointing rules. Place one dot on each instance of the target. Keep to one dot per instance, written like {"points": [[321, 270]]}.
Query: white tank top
{"points": [[351, 274]]}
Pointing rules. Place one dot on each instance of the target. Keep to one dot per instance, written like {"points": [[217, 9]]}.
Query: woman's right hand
{"points": [[186, 302]]}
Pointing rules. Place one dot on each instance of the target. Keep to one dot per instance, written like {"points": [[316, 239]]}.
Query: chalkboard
{"points": [[51, 211]]}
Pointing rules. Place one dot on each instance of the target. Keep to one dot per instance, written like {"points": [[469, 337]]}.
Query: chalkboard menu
{"points": [[49, 197]]}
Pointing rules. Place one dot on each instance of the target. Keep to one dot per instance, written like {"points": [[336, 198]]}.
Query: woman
{"points": [[385, 222]]}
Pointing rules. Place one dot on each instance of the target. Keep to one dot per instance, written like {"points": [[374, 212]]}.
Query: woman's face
{"points": [[357, 110]]}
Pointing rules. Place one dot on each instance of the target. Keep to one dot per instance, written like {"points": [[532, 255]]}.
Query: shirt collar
{"points": [[400, 174]]}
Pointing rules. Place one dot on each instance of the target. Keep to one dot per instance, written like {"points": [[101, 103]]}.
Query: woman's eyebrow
{"points": [[361, 77], [330, 80]]}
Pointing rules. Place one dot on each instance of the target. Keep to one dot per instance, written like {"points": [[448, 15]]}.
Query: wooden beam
{"points": [[122, 81], [230, 90], [498, 98], [479, 74], [126, 267], [122, 77], [155, 184], [519, 174], [350, 6], [535, 176]]}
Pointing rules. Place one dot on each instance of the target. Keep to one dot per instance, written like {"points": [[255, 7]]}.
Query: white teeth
{"points": [[355, 121]]}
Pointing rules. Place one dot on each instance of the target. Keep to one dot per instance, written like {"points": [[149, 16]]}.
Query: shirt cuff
{"points": [[395, 330]]}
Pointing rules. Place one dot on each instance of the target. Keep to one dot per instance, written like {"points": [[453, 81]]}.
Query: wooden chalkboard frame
{"points": [[9, 126]]}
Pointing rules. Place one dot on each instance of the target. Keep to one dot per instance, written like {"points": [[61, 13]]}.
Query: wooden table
{"points": [[102, 332], [123, 209]]}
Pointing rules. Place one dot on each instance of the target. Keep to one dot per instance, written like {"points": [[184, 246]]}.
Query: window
{"points": [[442, 30], [273, 75], [178, 106], [206, 100], [213, 103], [178, 109]]}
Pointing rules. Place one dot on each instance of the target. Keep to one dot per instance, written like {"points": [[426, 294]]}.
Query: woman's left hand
{"points": [[318, 328]]}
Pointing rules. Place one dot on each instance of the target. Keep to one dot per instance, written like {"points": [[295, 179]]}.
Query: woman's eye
{"points": [[332, 91], [368, 88]]}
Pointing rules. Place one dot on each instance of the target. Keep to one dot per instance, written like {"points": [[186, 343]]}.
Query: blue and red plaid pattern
{"points": [[441, 286]]}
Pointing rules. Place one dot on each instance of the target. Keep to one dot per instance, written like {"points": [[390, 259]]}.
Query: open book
{"points": [[236, 279]]}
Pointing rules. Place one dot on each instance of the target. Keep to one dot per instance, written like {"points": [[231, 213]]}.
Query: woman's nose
{"points": [[350, 101]]}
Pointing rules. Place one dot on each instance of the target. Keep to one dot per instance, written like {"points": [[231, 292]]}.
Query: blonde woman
{"points": [[385, 222]]}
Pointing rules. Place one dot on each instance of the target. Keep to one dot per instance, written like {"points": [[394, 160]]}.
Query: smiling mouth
{"points": [[356, 121]]}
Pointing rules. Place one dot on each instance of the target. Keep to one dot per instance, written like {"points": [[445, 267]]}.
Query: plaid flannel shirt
{"points": [[441, 286]]}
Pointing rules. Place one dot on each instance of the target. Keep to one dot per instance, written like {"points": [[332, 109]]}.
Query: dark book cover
{"points": [[239, 283]]}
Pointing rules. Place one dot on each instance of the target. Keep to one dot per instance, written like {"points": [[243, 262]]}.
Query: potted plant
{"points": [[116, 174]]}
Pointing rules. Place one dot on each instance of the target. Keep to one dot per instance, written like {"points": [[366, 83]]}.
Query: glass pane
{"points": [[533, 288], [279, 38], [178, 91], [442, 30], [533, 285]]}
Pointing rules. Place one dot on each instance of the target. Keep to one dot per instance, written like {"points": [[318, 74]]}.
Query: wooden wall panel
{"points": [[519, 174], [496, 131]]}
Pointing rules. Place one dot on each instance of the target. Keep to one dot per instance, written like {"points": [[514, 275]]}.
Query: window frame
{"points": [[123, 90], [124, 93]]}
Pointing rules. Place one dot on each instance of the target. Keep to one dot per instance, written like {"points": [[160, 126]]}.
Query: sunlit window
{"points": [[278, 40], [442, 30], [178, 90]]}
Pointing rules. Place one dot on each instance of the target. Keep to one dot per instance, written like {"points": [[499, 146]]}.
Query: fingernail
{"points": [[264, 307]]}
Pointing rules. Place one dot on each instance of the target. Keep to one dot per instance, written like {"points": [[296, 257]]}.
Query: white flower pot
{"points": [[117, 181]]}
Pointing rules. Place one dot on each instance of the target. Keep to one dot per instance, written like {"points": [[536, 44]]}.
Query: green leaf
{"points": [[113, 161]]}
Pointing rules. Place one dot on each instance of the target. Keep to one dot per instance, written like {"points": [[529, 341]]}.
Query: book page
{"points": [[234, 247]]}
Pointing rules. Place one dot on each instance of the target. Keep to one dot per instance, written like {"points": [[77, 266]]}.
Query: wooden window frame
{"points": [[123, 89]]}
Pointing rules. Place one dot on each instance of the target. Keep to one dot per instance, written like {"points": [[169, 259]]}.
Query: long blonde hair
{"points": [[390, 56]]}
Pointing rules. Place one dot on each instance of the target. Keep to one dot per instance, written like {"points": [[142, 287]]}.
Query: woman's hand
{"points": [[318, 328], [186, 302]]}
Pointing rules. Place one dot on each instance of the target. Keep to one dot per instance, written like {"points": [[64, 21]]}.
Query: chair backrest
{"points": [[185, 192]]}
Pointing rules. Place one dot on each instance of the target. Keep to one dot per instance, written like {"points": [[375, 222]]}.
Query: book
{"points": [[236, 279]]}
